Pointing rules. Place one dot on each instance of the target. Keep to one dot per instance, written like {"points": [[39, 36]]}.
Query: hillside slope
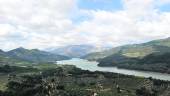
{"points": [[135, 50], [158, 62], [34, 55]]}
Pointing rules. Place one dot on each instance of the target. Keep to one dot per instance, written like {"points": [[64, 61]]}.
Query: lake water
{"points": [[92, 66]]}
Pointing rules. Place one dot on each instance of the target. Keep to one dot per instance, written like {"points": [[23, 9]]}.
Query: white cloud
{"points": [[163, 2], [5, 29], [139, 21], [140, 9], [31, 19], [45, 23]]}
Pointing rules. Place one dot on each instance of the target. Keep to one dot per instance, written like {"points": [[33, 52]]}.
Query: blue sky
{"points": [[109, 5], [49, 23], [165, 8]]}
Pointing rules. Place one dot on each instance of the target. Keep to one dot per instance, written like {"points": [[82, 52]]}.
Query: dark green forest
{"points": [[158, 62]]}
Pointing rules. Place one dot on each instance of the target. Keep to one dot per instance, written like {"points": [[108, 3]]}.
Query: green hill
{"points": [[5, 59], [135, 50], [158, 62], [34, 55]]}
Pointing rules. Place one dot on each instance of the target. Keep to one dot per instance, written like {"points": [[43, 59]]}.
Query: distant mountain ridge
{"points": [[134, 50], [75, 51], [33, 55]]}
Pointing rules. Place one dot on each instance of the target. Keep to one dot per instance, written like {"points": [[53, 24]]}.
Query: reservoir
{"points": [[92, 66]]}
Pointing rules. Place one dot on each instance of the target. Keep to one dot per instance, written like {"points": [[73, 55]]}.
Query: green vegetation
{"points": [[72, 81], [34, 55], [10, 69], [7, 72], [150, 56], [134, 50], [34, 73], [16, 70], [158, 62], [21, 56], [16, 66]]}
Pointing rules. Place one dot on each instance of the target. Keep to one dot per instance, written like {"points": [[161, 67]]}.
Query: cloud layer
{"points": [[48, 23]]}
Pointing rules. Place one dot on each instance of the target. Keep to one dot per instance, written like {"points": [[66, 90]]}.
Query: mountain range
{"points": [[75, 51], [33, 55]]}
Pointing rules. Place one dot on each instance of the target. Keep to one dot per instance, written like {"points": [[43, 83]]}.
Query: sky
{"points": [[49, 23]]}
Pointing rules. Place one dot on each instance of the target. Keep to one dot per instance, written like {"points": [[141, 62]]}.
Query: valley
{"points": [[43, 73], [84, 48]]}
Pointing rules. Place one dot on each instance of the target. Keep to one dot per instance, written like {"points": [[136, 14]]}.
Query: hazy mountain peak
{"points": [[19, 49], [75, 51]]}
